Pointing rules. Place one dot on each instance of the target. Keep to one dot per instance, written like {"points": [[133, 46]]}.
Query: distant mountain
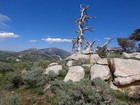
{"points": [[35, 54], [55, 52]]}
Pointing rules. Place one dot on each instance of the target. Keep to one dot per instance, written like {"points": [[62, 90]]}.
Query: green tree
{"points": [[135, 35], [124, 43]]}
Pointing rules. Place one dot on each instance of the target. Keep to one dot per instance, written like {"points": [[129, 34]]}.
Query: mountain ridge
{"points": [[36, 53]]}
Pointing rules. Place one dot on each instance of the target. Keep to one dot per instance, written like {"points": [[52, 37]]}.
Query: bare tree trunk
{"points": [[81, 28], [81, 21]]}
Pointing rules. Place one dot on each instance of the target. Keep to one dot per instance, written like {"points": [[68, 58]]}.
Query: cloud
{"points": [[4, 35], [107, 38], [33, 41], [51, 40], [3, 20]]}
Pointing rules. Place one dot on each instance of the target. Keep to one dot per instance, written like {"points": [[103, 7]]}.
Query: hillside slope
{"points": [[34, 54]]}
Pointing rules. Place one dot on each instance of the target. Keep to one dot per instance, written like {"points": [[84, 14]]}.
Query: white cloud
{"points": [[3, 20], [33, 41], [4, 35], [107, 38], [51, 40]]}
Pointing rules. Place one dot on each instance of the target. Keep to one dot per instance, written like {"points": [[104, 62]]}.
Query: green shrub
{"points": [[23, 65], [35, 77], [79, 93], [43, 64], [7, 98], [13, 100], [104, 89], [87, 71], [3, 80], [102, 52], [121, 96], [38, 90], [51, 99], [5, 67], [14, 78], [114, 55], [51, 75], [84, 92], [62, 73]]}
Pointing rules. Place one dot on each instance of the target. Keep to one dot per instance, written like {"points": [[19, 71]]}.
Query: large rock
{"points": [[132, 55], [75, 73], [70, 63], [55, 69], [125, 71], [101, 71], [114, 87], [136, 55], [127, 55], [94, 58], [78, 56], [52, 64], [102, 62]]}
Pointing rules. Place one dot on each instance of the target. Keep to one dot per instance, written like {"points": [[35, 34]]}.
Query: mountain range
{"points": [[34, 54]]}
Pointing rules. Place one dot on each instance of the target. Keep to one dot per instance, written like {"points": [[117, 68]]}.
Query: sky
{"points": [[52, 23]]}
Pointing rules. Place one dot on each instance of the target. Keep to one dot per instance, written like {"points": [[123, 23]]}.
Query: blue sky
{"points": [[25, 23]]}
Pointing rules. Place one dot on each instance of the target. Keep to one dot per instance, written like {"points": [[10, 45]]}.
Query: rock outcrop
{"points": [[125, 71], [132, 55], [70, 63], [94, 58], [102, 62], [137, 55], [52, 64], [101, 71], [54, 68], [78, 56], [75, 73]]}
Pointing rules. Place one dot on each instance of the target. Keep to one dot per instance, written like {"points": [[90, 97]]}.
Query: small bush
{"points": [[43, 64], [7, 98], [51, 75], [23, 65], [79, 93], [38, 90], [5, 67], [14, 78], [121, 96], [35, 77], [13, 100], [62, 73], [63, 63], [87, 71], [84, 92], [51, 99], [102, 52]]}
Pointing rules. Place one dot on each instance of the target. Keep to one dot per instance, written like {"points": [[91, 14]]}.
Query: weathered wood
{"points": [[80, 40], [104, 46]]}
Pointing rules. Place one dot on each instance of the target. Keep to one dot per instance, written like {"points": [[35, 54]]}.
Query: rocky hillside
{"points": [[122, 74]]}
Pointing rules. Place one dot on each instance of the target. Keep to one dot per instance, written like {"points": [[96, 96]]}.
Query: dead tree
{"points": [[88, 48], [82, 21], [105, 45], [102, 50]]}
